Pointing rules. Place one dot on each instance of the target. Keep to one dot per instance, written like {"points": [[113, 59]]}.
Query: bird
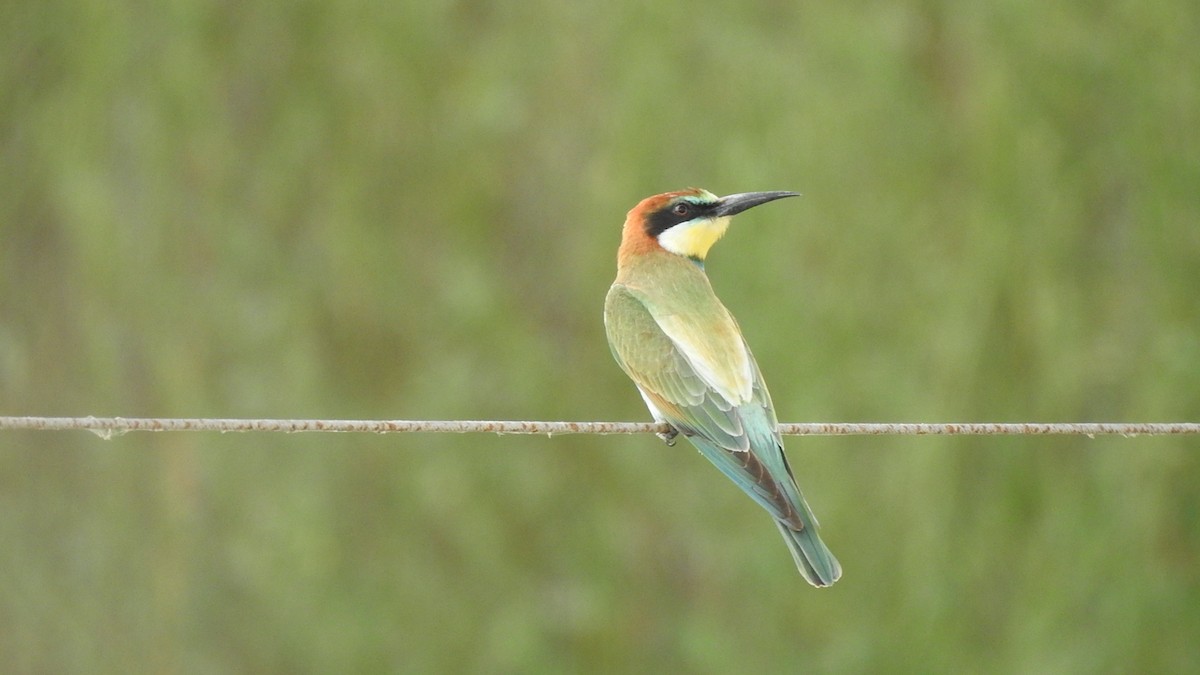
{"points": [[685, 353]]}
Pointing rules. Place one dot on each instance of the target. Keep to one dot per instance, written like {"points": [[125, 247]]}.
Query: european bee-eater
{"points": [[685, 352]]}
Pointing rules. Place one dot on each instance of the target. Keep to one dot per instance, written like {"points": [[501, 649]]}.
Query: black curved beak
{"points": [[735, 204]]}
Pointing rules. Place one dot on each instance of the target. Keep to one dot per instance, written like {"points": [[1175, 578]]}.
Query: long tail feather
{"points": [[816, 563], [777, 492]]}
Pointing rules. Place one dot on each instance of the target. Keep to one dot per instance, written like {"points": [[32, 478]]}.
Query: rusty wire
{"points": [[107, 427]]}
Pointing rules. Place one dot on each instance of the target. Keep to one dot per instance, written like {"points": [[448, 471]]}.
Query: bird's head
{"points": [[687, 222]]}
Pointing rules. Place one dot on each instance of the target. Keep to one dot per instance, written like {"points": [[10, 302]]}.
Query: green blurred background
{"points": [[411, 210]]}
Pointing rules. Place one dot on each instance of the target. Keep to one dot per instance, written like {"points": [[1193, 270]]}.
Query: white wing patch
{"points": [[654, 411]]}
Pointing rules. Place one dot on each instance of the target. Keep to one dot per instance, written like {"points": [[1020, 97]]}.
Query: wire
{"points": [[107, 427]]}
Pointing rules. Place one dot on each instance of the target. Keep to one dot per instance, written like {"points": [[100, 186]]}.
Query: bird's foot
{"points": [[669, 435]]}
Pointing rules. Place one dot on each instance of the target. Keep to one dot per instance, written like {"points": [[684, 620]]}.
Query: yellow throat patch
{"points": [[694, 238]]}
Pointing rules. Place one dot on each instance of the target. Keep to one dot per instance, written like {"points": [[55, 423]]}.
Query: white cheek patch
{"points": [[695, 237]]}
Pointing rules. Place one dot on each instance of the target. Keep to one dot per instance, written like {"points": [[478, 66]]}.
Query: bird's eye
{"points": [[681, 209]]}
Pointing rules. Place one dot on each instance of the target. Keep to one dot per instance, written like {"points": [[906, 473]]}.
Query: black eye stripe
{"points": [[665, 218]]}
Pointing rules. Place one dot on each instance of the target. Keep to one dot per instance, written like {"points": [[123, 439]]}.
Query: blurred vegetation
{"points": [[411, 210]]}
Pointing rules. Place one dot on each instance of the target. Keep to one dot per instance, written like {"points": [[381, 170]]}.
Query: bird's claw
{"points": [[669, 435]]}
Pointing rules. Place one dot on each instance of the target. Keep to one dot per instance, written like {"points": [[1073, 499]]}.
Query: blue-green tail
{"points": [[766, 477], [814, 560]]}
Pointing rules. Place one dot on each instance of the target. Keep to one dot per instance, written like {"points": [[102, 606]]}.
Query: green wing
{"points": [[741, 440], [664, 375]]}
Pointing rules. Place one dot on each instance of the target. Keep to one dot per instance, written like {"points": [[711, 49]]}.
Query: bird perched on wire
{"points": [[686, 354]]}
